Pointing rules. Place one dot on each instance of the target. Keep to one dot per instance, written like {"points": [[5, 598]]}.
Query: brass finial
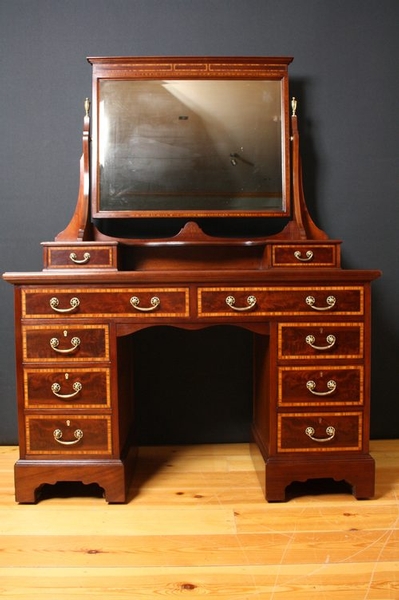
{"points": [[87, 107], [293, 106]]}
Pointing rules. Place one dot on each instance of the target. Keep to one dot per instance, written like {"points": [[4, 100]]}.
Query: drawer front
{"points": [[55, 388], [86, 434], [320, 432], [65, 343], [81, 256], [132, 302], [273, 301], [303, 386], [299, 341], [290, 255]]}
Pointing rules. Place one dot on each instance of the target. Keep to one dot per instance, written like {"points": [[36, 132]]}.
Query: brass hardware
{"points": [[308, 256], [330, 339], [330, 431], [74, 302], [87, 107], [251, 301], [74, 258], [78, 434], [155, 302], [54, 343], [331, 385], [294, 105], [56, 388], [331, 301]]}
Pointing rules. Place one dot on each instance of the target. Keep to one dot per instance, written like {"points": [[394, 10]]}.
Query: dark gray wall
{"points": [[345, 75]]}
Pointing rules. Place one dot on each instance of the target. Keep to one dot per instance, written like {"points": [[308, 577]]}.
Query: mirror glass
{"points": [[191, 146]]}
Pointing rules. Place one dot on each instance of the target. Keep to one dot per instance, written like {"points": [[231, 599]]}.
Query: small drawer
{"points": [[129, 302], [305, 255], [54, 388], [80, 256], [65, 343], [299, 341], [303, 386], [319, 432], [86, 434], [273, 301]]}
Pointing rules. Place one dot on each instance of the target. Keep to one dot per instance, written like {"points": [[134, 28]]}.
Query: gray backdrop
{"points": [[345, 76]]}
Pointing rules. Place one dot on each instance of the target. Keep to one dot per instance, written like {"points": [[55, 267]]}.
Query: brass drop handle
{"points": [[74, 302], [307, 258], [55, 342], [56, 388], [74, 258], [331, 385], [311, 301], [330, 431], [251, 301], [330, 339], [135, 301], [78, 434]]}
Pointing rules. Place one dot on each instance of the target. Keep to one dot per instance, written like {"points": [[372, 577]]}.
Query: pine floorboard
{"points": [[197, 525]]}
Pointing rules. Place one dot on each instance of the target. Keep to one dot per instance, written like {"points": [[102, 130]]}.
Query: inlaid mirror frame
{"points": [[138, 78]]}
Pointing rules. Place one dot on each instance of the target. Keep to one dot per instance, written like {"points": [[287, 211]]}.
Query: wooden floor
{"points": [[197, 526]]}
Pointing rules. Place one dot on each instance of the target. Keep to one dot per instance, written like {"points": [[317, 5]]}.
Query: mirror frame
{"points": [[187, 68]]}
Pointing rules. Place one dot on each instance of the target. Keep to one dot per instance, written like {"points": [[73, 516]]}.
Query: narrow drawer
{"points": [[65, 343], [55, 388], [80, 256], [303, 386], [319, 432], [306, 255], [272, 301], [299, 341], [129, 302], [86, 434]]}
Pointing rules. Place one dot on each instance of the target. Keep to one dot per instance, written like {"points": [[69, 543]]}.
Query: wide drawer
{"points": [[319, 432], [52, 434], [65, 343], [55, 388], [130, 302], [303, 386], [80, 256], [306, 255], [298, 341], [273, 301]]}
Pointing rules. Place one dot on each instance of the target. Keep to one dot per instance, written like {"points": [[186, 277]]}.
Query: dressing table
{"points": [[192, 141]]}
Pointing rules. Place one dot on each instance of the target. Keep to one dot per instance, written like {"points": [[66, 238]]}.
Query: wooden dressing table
{"points": [[75, 320]]}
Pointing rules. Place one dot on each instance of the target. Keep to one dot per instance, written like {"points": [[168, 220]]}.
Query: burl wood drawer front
{"points": [[55, 388], [86, 434], [81, 257], [65, 343], [273, 301], [132, 302], [319, 432], [320, 340], [289, 255], [304, 386]]}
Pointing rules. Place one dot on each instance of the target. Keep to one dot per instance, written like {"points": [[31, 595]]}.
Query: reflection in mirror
{"points": [[196, 145]]}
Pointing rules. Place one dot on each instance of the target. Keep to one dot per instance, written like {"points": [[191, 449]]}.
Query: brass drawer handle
{"points": [[56, 388], [155, 302], [74, 258], [308, 256], [78, 434], [311, 301], [330, 431], [330, 339], [55, 342], [251, 301], [331, 385], [74, 302]]}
